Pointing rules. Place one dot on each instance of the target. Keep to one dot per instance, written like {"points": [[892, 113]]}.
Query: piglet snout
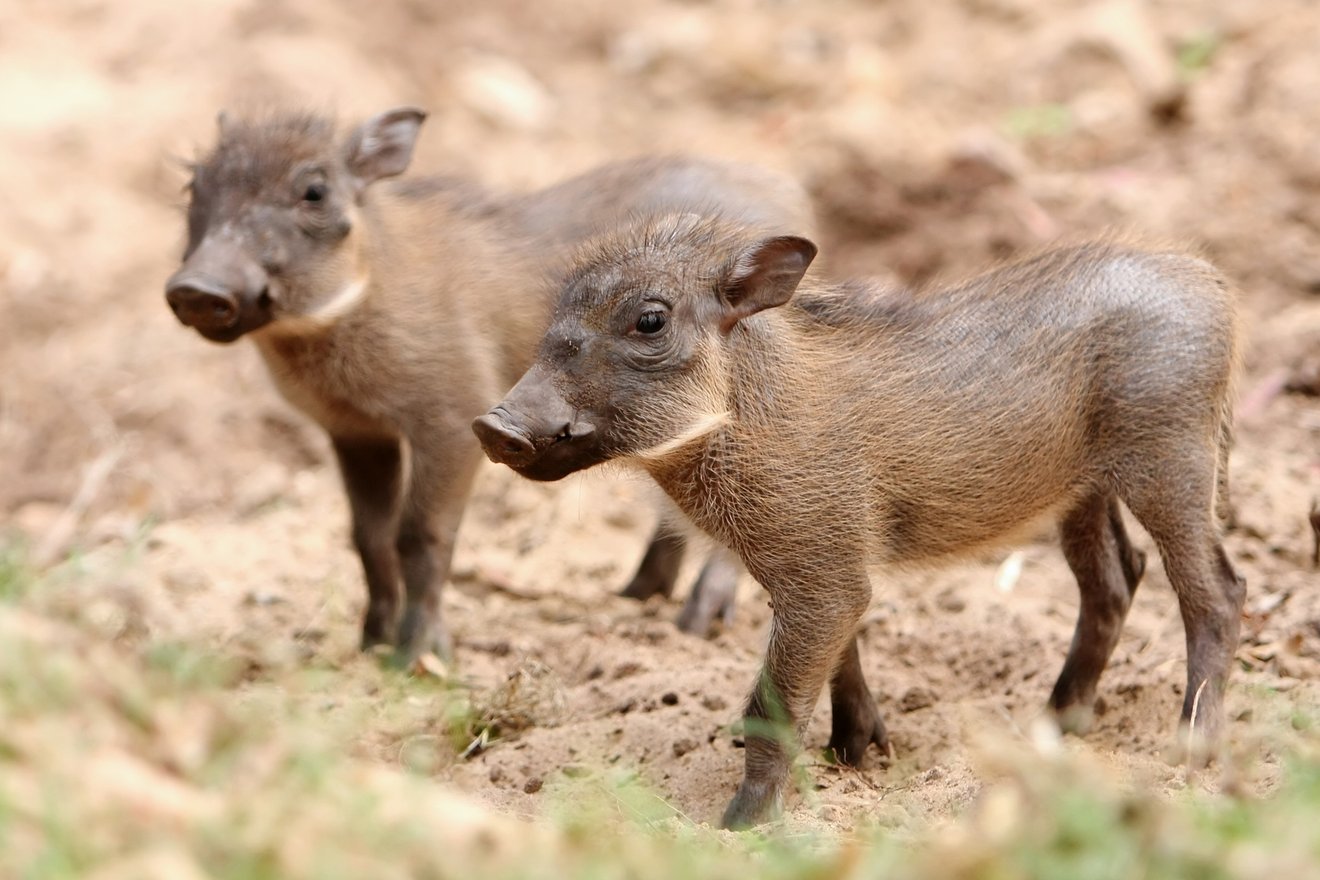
{"points": [[504, 444], [199, 302]]}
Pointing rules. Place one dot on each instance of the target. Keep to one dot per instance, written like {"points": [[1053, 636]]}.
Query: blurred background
{"points": [[165, 495]]}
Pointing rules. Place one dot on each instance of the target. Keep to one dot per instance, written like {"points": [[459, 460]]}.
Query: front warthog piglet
{"points": [[819, 429], [394, 311]]}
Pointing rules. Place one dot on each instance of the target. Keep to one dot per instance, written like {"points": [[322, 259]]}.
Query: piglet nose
{"points": [[197, 303], [503, 443]]}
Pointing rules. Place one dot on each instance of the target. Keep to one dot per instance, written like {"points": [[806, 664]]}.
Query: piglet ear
{"points": [[764, 276], [383, 145]]}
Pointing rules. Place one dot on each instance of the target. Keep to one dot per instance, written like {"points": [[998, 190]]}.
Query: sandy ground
{"points": [[935, 137]]}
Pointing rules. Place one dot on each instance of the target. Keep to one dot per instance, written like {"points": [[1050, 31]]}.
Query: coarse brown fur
{"points": [[392, 312], [853, 426]]}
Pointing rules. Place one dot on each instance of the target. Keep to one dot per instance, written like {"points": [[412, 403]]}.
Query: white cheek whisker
{"points": [[705, 424], [344, 301]]}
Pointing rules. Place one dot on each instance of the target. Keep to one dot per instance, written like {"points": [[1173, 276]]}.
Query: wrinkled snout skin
{"points": [[537, 433], [220, 292]]}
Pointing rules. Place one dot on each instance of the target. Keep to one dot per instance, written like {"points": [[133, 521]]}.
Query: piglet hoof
{"points": [[1076, 719], [646, 584], [373, 638], [702, 610], [378, 626], [851, 736], [418, 635], [755, 802], [1197, 746]]}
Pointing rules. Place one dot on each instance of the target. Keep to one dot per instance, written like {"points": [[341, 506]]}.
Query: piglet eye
{"points": [[315, 192], [651, 322]]}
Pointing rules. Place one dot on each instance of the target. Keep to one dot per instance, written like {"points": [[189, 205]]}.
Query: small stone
{"points": [[627, 669], [533, 785], [669, 699], [262, 598], [683, 746], [950, 601], [833, 813], [917, 698]]}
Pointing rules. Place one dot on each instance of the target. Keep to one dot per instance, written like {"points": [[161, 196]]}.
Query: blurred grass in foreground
{"points": [[161, 760]]}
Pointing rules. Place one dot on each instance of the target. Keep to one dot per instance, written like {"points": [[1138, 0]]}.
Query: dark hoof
{"points": [[851, 737], [419, 635], [1201, 740], [646, 584], [377, 629], [1193, 749], [372, 640], [1072, 705], [702, 610], [658, 569], [753, 804], [1076, 718]]}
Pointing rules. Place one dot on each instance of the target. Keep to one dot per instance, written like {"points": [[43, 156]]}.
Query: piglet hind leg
{"points": [[441, 482], [372, 473], [425, 553], [658, 570], [713, 594], [1177, 511], [1108, 569], [811, 627], [855, 722]]}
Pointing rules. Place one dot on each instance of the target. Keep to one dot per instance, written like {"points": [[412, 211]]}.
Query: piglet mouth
{"points": [[221, 334], [546, 455], [251, 317]]}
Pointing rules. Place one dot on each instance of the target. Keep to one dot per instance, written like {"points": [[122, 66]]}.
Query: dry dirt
{"points": [[936, 137]]}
